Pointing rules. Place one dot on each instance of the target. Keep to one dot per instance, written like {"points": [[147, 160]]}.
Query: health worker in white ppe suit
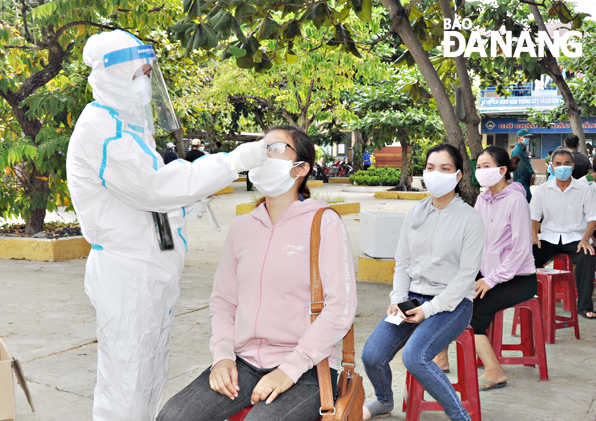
{"points": [[123, 195]]}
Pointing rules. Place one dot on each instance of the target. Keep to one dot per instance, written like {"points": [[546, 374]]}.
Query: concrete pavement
{"points": [[48, 323]]}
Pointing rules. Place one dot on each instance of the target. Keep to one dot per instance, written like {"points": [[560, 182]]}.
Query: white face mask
{"points": [[273, 178], [142, 86], [488, 177], [201, 148], [439, 184]]}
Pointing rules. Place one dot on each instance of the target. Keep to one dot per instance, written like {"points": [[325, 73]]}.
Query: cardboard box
{"points": [[379, 233], [7, 407], [7, 365]]}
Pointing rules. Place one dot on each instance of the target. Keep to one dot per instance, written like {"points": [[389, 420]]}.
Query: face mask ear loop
{"points": [[296, 164]]}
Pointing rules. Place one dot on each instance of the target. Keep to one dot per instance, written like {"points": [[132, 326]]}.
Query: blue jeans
{"points": [[421, 344]]}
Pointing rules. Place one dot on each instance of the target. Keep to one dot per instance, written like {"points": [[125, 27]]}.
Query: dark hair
{"points": [[561, 151], [572, 141], [305, 150], [550, 152], [218, 144], [502, 159], [453, 152]]}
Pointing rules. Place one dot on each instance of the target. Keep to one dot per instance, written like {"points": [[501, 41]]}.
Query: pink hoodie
{"points": [[508, 238], [261, 293]]}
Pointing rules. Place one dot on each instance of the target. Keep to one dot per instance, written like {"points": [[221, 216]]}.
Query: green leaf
{"points": [[292, 30], [244, 62], [223, 23], [318, 14], [365, 13], [181, 27], [245, 13], [211, 38], [237, 52], [267, 29], [291, 57], [415, 13]]}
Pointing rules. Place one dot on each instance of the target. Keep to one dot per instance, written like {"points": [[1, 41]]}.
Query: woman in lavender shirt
{"points": [[507, 275]]}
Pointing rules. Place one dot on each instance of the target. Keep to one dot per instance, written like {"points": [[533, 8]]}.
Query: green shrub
{"points": [[376, 177]]}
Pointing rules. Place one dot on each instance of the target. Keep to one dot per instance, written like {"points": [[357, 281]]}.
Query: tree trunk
{"points": [[404, 180], [444, 106], [472, 118], [36, 189], [358, 149], [38, 192], [553, 70], [34, 223]]}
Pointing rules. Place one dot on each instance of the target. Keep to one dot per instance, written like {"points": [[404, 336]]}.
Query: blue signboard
{"points": [[521, 102], [513, 124]]}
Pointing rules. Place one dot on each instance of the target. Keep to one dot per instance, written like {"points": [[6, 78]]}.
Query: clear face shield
{"points": [[148, 88]]}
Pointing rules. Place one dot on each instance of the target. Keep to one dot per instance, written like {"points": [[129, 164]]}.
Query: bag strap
{"points": [[316, 307]]}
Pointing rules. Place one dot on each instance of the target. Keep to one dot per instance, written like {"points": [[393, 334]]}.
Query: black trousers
{"points": [[584, 271], [197, 402], [501, 296]]}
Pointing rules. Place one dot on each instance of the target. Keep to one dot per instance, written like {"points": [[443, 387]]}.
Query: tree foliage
{"points": [[258, 34], [298, 93], [43, 89]]}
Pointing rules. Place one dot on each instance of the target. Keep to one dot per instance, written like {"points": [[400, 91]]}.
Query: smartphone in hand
{"points": [[408, 305]]}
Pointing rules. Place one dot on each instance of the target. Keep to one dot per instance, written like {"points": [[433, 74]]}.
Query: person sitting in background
{"points": [[263, 343], [438, 256], [582, 164], [569, 210], [195, 152], [170, 155], [507, 276]]}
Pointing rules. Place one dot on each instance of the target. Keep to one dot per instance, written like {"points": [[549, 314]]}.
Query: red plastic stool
{"points": [[547, 281], [564, 291], [532, 337], [563, 262], [242, 414], [467, 383]]}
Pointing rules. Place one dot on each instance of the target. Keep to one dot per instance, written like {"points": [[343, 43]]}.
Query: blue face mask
{"points": [[526, 141], [563, 172]]}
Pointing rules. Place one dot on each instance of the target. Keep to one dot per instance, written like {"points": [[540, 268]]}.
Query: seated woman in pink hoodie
{"points": [[507, 276], [264, 346]]}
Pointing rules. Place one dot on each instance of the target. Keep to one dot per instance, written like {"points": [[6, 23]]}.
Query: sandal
{"points": [[584, 314], [485, 384], [379, 409]]}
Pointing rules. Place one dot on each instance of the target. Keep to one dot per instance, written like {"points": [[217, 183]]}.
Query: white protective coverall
{"points": [[116, 179]]}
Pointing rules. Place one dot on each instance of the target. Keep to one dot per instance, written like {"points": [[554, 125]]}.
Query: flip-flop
{"points": [[485, 384], [584, 314], [446, 371]]}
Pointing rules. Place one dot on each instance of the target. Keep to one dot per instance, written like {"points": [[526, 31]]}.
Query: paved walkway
{"points": [[48, 323]]}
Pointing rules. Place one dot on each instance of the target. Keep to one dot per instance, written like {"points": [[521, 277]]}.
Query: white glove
{"points": [[249, 155]]}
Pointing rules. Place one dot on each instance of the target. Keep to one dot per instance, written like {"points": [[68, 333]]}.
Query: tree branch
{"points": [[381, 39], [534, 3], [28, 36], [9, 126], [55, 59], [309, 95], [298, 99], [284, 113], [10, 97], [23, 47]]}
